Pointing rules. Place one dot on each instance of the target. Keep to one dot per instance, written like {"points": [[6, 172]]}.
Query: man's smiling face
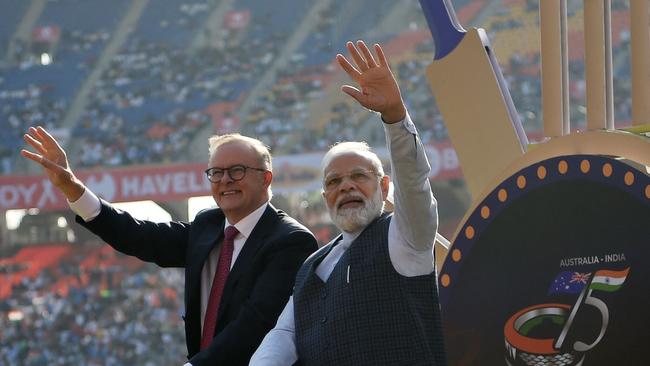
{"points": [[239, 198], [353, 191]]}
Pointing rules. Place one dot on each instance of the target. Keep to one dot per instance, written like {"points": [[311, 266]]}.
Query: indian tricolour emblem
{"points": [[536, 335]]}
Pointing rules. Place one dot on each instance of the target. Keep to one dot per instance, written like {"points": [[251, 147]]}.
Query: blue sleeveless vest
{"points": [[367, 313]]}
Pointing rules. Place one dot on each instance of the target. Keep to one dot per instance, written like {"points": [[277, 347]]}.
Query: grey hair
{"points": [[257, 145], [356, 147]]}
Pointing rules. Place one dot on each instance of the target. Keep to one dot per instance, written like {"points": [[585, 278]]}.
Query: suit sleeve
{"points": [[162, 243], [416, 212], [415, 221], [241, 337]]}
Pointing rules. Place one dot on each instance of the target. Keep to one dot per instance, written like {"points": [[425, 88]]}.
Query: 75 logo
{"points": [[536, 335]]}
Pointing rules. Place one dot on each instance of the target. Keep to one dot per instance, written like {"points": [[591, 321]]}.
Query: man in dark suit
{"points": [[240, 259]]}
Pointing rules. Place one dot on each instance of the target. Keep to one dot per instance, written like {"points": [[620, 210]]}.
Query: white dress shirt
{"points": [[411, 235], [88, 207], [245, 227]]}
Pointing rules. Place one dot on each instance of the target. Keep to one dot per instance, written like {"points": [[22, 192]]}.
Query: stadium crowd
{"points": [[146, 109], [150, 77], [166, 87], [106, 321]]}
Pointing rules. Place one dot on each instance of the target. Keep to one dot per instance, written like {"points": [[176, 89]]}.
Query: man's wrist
{"points": [[394, 115], [74, 190]]}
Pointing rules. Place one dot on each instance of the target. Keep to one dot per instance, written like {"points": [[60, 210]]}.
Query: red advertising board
{"points": [[163, 183], [238, 19], [46, 34], [292, 173]]}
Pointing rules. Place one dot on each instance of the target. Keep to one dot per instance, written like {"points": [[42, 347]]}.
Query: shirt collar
{"points": [[247, 224], [348, 238]]}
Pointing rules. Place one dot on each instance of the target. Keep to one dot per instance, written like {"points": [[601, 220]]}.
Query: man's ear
{"points": [[385, 184], [268, 178]]}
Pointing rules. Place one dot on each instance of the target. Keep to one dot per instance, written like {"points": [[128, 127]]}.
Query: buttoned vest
{"points": [[366, 313]]}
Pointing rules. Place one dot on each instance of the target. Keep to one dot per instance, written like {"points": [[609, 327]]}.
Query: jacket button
{"points": [[324, 320], [323, 294]]}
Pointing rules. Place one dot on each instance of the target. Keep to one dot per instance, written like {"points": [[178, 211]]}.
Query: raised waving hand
{"points": [[378, 89], [54, 161]]}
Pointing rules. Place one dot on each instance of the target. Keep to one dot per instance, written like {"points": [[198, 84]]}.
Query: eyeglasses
{"points": [[332, 182], [235, 172]]}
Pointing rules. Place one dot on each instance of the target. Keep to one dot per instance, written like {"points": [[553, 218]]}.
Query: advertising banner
{"points": [[291, 173]]}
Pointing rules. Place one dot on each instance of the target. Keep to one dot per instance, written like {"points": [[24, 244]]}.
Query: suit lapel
{"points": [[199, 251], [211, 235], [252, 245]]}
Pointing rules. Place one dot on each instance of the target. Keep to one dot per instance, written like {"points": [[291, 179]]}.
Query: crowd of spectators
{"points": [[290, 116], [148, 77], [107, 140], [150, 102], [120, 316], [21, 108], [117, 317], [282, 117], [32, 102]]}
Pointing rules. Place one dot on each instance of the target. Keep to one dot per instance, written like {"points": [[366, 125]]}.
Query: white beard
{"points": [[355, 219]]}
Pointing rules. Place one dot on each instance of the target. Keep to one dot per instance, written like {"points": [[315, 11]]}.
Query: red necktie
{"points": [[218, 283]]}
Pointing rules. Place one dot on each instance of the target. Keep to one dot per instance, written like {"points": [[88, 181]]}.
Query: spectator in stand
{"points": [[240, 259]]}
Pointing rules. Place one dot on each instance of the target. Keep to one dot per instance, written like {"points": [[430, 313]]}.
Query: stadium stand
{"points": [[11, 16], [66, 304], [106, 320], [170, 88]]}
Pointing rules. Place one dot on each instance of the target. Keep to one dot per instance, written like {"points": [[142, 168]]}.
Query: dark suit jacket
{"points": [[257, 288]]}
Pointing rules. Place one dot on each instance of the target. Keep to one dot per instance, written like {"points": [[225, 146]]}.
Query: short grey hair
{"points": [[356, 147], [257, 145]]}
